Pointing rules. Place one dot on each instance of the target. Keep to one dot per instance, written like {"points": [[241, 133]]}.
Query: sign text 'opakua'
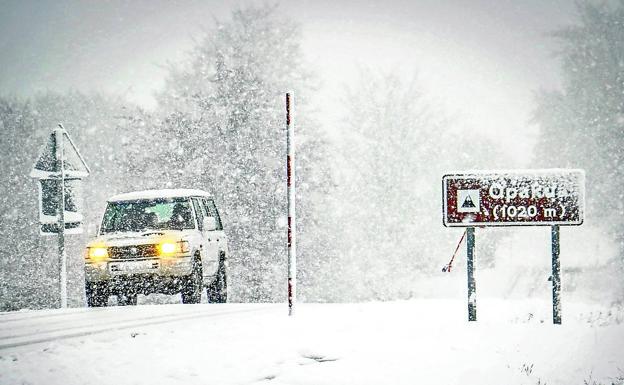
{"points": [[518, 198]]}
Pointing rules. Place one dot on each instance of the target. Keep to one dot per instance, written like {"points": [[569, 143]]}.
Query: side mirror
{"points": [[210, 224]]}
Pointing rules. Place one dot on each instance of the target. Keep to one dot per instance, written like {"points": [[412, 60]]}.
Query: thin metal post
{"points": [[292, 227], [58, 135], [556, 275], [470, 253]]}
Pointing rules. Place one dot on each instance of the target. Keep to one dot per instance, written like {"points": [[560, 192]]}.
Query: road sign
{"points": [[519, 198], [47, 166], [59, 169], [515, 198], [49, 206], [58, 160]]}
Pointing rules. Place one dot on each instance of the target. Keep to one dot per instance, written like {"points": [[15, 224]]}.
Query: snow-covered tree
{"points": [[582, 124], [397, 146], [225, 122]]}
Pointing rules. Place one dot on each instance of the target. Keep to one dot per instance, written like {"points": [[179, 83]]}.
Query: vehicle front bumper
{"points": [[157, 268]]}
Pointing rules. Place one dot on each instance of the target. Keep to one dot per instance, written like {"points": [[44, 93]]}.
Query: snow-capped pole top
{"points": [[154, 194]]}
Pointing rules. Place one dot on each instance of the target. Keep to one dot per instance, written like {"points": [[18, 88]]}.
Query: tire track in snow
{"points": [[12, 341], [88, 317], [36, 314]]}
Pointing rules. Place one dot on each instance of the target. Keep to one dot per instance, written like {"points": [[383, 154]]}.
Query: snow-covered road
{"points": [[405, 342], [19, 329]]}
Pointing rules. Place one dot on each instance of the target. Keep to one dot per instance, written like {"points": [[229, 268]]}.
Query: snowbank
{"points": [[406, 342]]}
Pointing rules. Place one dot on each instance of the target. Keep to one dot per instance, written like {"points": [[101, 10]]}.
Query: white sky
{"points": [[481, 60]]}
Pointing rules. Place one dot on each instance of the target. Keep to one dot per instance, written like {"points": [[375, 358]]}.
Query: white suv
{"points": [[158, 241]]}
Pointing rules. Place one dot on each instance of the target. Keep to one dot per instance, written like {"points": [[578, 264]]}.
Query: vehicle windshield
{"points": [[152, 214]]}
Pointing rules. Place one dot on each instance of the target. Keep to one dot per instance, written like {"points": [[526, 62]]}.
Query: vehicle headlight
{"points": [[168, 248], [98, 253]]}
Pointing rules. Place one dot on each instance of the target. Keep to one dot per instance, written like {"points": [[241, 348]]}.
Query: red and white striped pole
{"points": [[290, 184]]}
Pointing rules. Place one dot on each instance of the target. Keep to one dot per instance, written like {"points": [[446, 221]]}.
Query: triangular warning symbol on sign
{"points": [[468, 203], [48, 166]]}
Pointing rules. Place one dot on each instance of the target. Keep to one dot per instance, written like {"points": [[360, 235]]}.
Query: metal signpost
{"points": [[290, 185], [59, 169], [515, 198]]}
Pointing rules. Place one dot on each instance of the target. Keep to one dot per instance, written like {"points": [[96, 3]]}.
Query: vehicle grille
{"points": [[131, 252]]}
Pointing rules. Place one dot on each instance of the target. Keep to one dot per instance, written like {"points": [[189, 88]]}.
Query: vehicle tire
{"points": [[97, 294], [127, 298], [217, 290], [192, 289]]}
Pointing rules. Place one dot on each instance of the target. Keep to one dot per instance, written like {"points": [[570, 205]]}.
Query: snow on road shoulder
{"points": [[407, 342]]}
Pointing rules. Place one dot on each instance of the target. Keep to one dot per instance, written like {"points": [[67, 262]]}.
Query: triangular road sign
{"points": [[73, 163]]}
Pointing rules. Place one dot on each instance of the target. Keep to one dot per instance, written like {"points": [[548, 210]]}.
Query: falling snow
{"points": [[372, 144]]}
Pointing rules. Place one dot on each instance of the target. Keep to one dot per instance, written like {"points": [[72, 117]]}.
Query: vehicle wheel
{"points": [[97, 294], [126, 298], [191, 292], [217, 291]]}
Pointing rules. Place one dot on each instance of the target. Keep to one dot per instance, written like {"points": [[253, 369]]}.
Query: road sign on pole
{"points": [[59, 169], [54, 171], [514, 198]]}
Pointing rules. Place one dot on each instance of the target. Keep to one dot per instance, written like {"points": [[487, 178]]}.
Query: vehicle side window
{"points": [[211, 211], [199, 213]]}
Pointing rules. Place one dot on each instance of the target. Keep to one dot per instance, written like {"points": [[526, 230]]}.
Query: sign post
{"points": [[61, 218], [472, 285], [292, 227], [556, 275], [59, 169], [514, 198]]}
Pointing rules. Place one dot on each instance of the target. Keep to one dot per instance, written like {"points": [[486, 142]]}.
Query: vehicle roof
{"points": [[152, 194]]}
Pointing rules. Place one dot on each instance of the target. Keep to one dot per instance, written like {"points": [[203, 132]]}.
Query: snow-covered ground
{"points": [[404, 342]]}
